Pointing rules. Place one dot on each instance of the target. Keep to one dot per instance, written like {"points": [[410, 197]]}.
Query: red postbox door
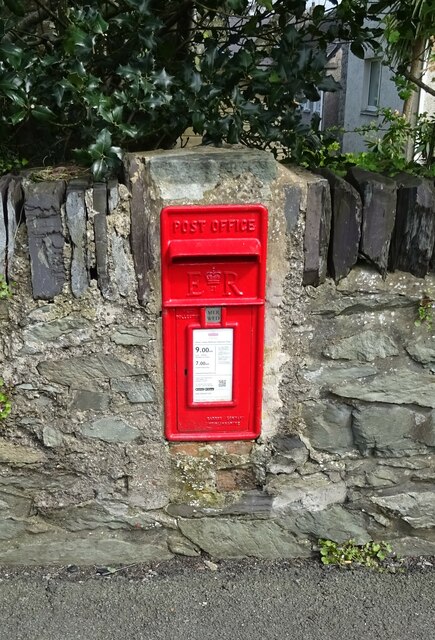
{"points": [[213, 272]]}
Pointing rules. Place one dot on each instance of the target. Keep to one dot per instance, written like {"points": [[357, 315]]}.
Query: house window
{"points": [[374, 83]]}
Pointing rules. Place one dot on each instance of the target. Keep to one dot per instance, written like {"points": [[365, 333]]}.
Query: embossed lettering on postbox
{"points": [[213, 291]]}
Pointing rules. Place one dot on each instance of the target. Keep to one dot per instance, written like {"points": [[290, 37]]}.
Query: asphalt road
{"points": [[233, 600]]}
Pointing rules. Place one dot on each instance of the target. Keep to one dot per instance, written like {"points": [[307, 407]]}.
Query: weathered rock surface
{"points": [[131, 336], [311, 493], [110, 430], [231, 538], [82, 371], [75, 211], [397, 387], [414, 505], [334, 523], [365, 347], [317, 232], [345, 225], [385, 431], [46, 242], [422, 349], [378, 195], [136, 389], [14, 210], [289, 454], [413, 239], [101, 240], [329, 426], [96, 547], [4, 184]]}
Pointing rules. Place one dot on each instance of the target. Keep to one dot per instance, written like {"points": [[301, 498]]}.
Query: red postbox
{"points": [[213, 289]]}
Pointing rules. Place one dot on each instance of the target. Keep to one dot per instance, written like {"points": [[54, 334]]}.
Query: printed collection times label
{"points": [[213, 365]]}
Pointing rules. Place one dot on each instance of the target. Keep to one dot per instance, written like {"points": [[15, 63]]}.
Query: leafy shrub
{"points": [[134, 74]]}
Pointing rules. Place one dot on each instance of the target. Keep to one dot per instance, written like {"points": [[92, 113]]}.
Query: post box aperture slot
{"points": [[180, 251]]}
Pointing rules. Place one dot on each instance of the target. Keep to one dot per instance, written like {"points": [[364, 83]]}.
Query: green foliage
{"points": [[385, 142], [425, 313], [348, 554], [5, 403], [9, 161], [98, 76], [5, 289]]}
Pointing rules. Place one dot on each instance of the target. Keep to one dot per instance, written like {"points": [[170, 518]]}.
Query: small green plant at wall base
{"points": [[5, 403], [425, 313], [5, 290], [348, 554]]}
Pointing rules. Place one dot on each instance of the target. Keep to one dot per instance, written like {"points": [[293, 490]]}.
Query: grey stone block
{"points": [[317, 232], [137, 389], [413, 504], [292, 204], [422, 349], [91, 401], [46, 242], [413, 240], [365, 346], [334, 523], [345, 225], [110, 430], [329, 426], [4, 183], [232, 538], [14, 207], [85, 371], [396, 387], [75, 210], [385, 431], [131, 336], [379, 195]]}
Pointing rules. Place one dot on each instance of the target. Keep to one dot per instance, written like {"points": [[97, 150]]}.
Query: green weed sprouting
{"points": [[5, 402], [425, 313], [347, 554]]}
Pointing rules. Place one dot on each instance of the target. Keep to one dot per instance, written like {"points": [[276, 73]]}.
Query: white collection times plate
{"points": [[213, 365]]}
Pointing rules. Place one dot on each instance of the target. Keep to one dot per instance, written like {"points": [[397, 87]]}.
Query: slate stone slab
{"points": [[111, 429], [139, 226], [101, 242], [292, 203], [365, 346], [317, 232], [413, 239], [4, 183], [232, 538], [378, 195], [14, 210], [422, 349], [385, 431], [328, 426], [85, 372], [42, 205], [395, 387], [137, 389], [345, 225], [75, 210], [415, 505]]}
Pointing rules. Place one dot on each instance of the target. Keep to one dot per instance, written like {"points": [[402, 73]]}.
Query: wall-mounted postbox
{"points": [[213, 285]]}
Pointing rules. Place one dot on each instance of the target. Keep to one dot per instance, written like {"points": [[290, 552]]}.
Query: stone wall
{"points": [[348, 438]]}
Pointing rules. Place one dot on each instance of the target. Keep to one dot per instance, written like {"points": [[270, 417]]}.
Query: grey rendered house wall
{"points": [[355, 112]]}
